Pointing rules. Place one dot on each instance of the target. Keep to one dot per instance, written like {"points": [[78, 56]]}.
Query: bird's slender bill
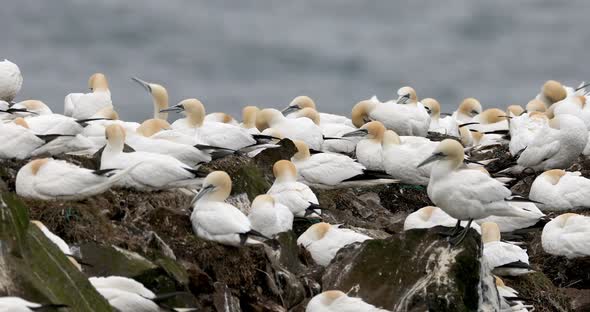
{"points": [[142, 83], [290, 109], [204, 191], [175, 108], [433, 157], [356, 133]]}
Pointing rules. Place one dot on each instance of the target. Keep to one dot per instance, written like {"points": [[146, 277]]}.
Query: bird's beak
{"points": [[19, 110], [474, 113], [356, 133], [290, 109], [176, 108], [433, 157], [403, 99], [204, 191], [428, 110], [142, 83]]}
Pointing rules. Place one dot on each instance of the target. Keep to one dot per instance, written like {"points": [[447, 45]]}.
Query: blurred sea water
{"points": [[235, 53]]}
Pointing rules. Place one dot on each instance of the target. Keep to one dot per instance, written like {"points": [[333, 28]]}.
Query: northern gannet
{"points": [[467, 110], [59, 242], [503, 258], [249, 114], [304, 101], [142, 141], [270, 217], [515, 110], [330, 170], [551, 92], [128, 295], [368, 150], [567, 235], [210, 133], [337, 301], [560, 190], [11, 80], [555, 148], [51, 179], [406, 116], [298, 197], [401, 157], [159, 97], [16, 304], [217, 221], [323, 241], [150, 171], [535, 105], [490, 120], [84, 105], [302, 128], [524, 128], [447, 125], [465, 194], [30, 108], [429, 217]]}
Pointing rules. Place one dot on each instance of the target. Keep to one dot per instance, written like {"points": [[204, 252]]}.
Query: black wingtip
{"points": [[50, 137], [103, 172]]}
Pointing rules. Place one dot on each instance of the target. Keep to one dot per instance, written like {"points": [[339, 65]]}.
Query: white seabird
{"points": [[159, 97], [369, 151], [249, 114], [30, 108], [270, 217], [561, 190], [467, 110], [141, 141], [401, 157], [330, 170], [11, 80], [567, 235], [51, 179], [490, 120], [466, 194], [210, 133], [16, 304], [150, 171], [298, 197], [406, 116], [217, 221], [323, 241], [337, 301], [503, 258], [222, 118], [551, 92], [128, 295], [304, 101], [84, 105], [524, 128], [557, 147], [429, 217], [302, 128], [447, 125]]}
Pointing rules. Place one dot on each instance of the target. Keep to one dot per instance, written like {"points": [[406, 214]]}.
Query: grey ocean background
{"points": [[235, 53]]}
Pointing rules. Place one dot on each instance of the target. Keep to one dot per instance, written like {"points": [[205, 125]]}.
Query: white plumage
{"points": [[85, 105], [446, 125], [401, 156], [286, 190], [11, 80], [270, 217], [524, 128], [150, 171], [561, 190], [429, 217], [50, 179], [323, 241], [337, 301], [302, 128], [213, 219], [557, 147], [369, 151], [17, 141], [503, 258], [324, 168], [567, 235], [16, 304]]}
